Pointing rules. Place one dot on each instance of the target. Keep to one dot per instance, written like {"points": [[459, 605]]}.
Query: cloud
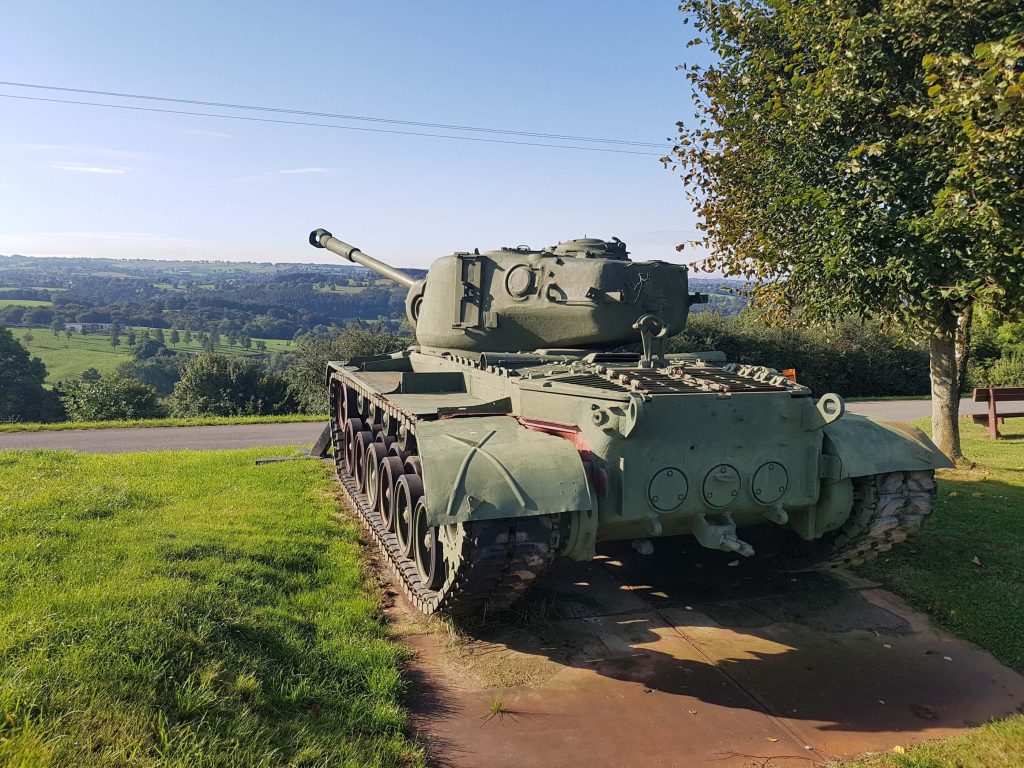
{"points": [[200, 132], [77, 149], [110, 170], [289, 171], [292, 172]]}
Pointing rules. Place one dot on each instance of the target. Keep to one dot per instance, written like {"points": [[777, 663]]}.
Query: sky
{"points": [[88, 181]]}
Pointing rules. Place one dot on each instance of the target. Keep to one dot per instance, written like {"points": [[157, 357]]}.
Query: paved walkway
{"points": [[219, 437], [688, 658], [305, 433]]}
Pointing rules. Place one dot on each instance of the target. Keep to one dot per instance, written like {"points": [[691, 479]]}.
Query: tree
{"points": [[115, 336], [222, 385], [175, 337], [130, 337], [110, 398], [863, 158], [188, 336], [158, 334], [246, 341], [56, 326], [22, 394], [312, 351]]}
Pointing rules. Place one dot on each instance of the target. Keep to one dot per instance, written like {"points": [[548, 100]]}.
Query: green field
{"points": [[188, 609], [66, 358], [24, 303]]}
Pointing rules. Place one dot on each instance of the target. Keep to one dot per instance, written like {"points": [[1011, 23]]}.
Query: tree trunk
{"points": [[965, 325], [945, 388]]}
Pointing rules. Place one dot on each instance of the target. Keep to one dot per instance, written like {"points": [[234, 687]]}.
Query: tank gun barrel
{"points": [[321, 238]]}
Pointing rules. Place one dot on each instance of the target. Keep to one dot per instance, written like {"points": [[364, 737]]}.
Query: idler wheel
{"points": [[408, 491], [362, 441], [427, 548], [375, 453], [352, 428], [391, 468]]}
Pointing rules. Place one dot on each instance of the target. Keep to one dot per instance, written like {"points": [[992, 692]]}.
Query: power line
{"points": [[337, 116], [250, 118]]}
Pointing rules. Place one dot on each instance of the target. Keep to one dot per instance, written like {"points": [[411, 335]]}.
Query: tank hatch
{"points": [[591, 248]]}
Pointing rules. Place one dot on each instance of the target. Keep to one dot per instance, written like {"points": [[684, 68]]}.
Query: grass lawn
{"points": [[66, 358], [188, 609], [197, 421]]}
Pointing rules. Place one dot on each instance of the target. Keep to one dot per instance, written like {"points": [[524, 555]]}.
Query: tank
{"points": [[516, 430]]}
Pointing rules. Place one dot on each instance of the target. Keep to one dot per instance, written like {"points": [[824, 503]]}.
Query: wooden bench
{"points": [[993, 395]]}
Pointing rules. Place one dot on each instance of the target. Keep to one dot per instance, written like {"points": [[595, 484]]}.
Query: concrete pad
{"points": [[639, 661]]}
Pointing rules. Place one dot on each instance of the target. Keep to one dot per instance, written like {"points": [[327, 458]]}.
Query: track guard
{"points": [[867, 446], [489, 467]]}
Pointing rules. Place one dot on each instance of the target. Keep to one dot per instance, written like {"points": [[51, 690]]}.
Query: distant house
{"points": [[87, 327]]}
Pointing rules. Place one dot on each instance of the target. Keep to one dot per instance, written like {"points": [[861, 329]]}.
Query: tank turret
{"points": [[582, 293]]}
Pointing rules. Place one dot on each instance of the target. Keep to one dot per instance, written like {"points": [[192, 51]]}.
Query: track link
{"points": [[887, 508], [491, 563]]}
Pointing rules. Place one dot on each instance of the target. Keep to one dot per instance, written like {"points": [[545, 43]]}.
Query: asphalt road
{"points": [[304, 433]]}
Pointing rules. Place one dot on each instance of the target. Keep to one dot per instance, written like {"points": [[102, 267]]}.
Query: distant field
{"points": [[24, 303], [66, 358]]}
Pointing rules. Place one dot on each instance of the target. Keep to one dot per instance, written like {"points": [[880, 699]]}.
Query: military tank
{"points": [[514, 431]]}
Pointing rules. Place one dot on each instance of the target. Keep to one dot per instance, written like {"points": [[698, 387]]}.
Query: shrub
{"points": [[853, 359], [218, 385], [311, 352], [110, 398]]}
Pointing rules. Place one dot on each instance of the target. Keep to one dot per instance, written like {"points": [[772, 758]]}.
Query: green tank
{"points": [[514, 431]]}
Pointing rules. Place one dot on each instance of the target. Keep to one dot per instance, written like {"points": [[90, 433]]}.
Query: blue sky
{"points": [[95, 182]]}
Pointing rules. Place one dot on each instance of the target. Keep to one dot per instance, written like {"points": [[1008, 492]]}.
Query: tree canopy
{"points": [[863, 157], [22, 394]]}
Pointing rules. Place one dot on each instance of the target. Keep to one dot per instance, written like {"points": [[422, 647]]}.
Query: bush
{"points": [[1007, 371], [110, 398], [161, 372], [218, 385], [305, 375], [852, 359]]}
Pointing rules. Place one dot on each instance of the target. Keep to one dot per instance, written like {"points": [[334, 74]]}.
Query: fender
{"points": [[487, 467], [867, 446]]}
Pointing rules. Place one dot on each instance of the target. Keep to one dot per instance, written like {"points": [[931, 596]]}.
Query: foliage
{"points": [[219, 385], [161, 372], [110, 397], [305, 375], [851, 358], [863, 158], [169, 610], [22, 395], [1007, 371]]}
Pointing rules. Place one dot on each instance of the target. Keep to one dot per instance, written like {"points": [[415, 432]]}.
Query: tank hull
{"points": [[597, 447]]}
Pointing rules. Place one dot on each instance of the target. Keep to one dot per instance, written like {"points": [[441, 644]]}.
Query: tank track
{"points": [[887, 508], [491, 562]]}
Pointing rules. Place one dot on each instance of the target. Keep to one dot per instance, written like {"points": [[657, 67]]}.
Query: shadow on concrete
{"points": [[687, 622]]}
